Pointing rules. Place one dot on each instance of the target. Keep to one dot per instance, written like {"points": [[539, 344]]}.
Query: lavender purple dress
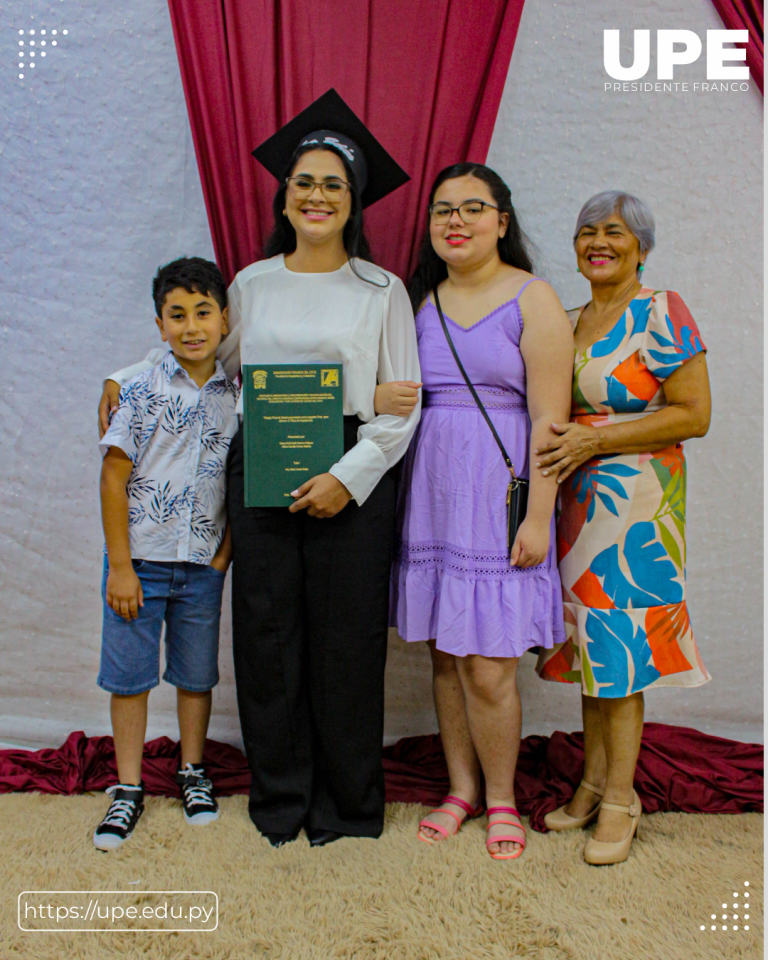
{"points": [[451, 578]]}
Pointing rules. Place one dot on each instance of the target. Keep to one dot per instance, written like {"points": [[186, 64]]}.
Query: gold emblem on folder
{"points": [[259, 379], [329, 378]]}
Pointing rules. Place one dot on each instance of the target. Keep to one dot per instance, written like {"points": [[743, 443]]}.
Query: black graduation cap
{"points": [[330, 122]]}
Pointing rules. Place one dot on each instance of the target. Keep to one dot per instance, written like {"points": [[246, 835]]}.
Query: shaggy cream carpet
{"points": [[391, 899]]}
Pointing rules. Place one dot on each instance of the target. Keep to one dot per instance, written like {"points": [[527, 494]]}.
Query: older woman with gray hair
{"points": [[640, 388]]}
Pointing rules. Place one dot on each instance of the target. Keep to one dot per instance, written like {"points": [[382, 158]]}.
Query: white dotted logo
{"points": [[734, 921], [33, 44]]}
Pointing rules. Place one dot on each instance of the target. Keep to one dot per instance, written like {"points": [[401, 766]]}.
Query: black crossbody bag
{"points": [[517, 491]]}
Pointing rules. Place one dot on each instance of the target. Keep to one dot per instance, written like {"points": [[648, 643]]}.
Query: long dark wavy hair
{"points": [[514, 247], [283, 236]]}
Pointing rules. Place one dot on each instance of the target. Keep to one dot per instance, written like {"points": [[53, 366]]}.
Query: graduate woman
{"points": [[310, 582]]}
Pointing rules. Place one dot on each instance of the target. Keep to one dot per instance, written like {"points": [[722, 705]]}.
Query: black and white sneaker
{"points": [[197, 796], [123, 815]]}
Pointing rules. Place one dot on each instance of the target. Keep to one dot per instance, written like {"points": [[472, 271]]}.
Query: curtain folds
{"points": [[678, 769], [426, 77], [746, 15]]}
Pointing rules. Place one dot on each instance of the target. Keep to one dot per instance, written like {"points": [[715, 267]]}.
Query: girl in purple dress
{"points": [[454, 584]]}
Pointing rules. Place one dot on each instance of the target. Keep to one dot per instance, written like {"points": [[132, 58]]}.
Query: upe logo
{"points": [[676, 48]]}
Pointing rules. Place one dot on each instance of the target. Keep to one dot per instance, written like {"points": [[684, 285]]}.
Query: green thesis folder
{"points": [[293, 422]]}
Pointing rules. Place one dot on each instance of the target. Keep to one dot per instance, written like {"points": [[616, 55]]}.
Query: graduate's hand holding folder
{"points": [[322, 496], [294, 433]]}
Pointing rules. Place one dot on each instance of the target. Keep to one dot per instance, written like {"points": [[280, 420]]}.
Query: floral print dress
{"points": [[621, 522]]}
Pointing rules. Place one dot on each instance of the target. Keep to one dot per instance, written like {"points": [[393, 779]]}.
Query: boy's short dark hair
{"points": [[195, 275]]}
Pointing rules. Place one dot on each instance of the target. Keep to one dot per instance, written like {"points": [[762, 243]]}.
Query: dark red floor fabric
{"points": [[678, 769]]}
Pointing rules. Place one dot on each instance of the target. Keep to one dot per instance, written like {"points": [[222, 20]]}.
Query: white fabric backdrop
{"points": [[100, 185]]}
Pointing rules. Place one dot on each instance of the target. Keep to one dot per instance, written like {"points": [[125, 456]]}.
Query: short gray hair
{"points": [[632, 210]]}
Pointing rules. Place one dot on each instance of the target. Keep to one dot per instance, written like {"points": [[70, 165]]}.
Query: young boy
{"points": [[163, 482]]}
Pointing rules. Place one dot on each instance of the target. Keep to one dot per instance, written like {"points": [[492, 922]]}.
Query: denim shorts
{"points": [[187, 597]]}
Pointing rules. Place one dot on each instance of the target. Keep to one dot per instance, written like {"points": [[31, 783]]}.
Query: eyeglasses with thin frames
{"points": [[302, 188], [470, 211]]}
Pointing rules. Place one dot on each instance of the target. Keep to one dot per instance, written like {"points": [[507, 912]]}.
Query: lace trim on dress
{"points": [[493, 399], [464, 564]]}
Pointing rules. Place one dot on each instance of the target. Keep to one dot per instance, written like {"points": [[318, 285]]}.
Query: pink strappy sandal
{"points": [[470, 814], [501, 839]]}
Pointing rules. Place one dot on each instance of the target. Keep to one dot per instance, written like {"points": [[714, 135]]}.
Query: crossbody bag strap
{"points": [[472, 390]]}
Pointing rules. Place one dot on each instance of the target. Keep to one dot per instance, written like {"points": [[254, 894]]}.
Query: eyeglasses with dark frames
{"points": [[301, 188], [470, 211]]}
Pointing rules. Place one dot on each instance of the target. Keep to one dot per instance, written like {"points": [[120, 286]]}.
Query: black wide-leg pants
{"points": [[309, 617]]}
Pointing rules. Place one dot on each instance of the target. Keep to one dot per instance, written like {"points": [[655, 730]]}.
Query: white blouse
{"points": [[279, 316]]}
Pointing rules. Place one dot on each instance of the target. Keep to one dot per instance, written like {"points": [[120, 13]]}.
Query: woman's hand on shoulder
{"points": [[108, 404], [321, 496], [531, 544], [396, 398]]}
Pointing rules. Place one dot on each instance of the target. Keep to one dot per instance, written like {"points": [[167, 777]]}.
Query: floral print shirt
{"points": [[621, 524], [177, 437]]}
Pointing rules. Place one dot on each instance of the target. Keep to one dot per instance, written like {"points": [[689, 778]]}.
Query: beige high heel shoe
{"points": [[560, 820], [603, 851]]}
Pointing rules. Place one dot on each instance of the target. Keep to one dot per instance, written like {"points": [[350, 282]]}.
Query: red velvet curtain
{"points": [[746, 15], [426, 77]]}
